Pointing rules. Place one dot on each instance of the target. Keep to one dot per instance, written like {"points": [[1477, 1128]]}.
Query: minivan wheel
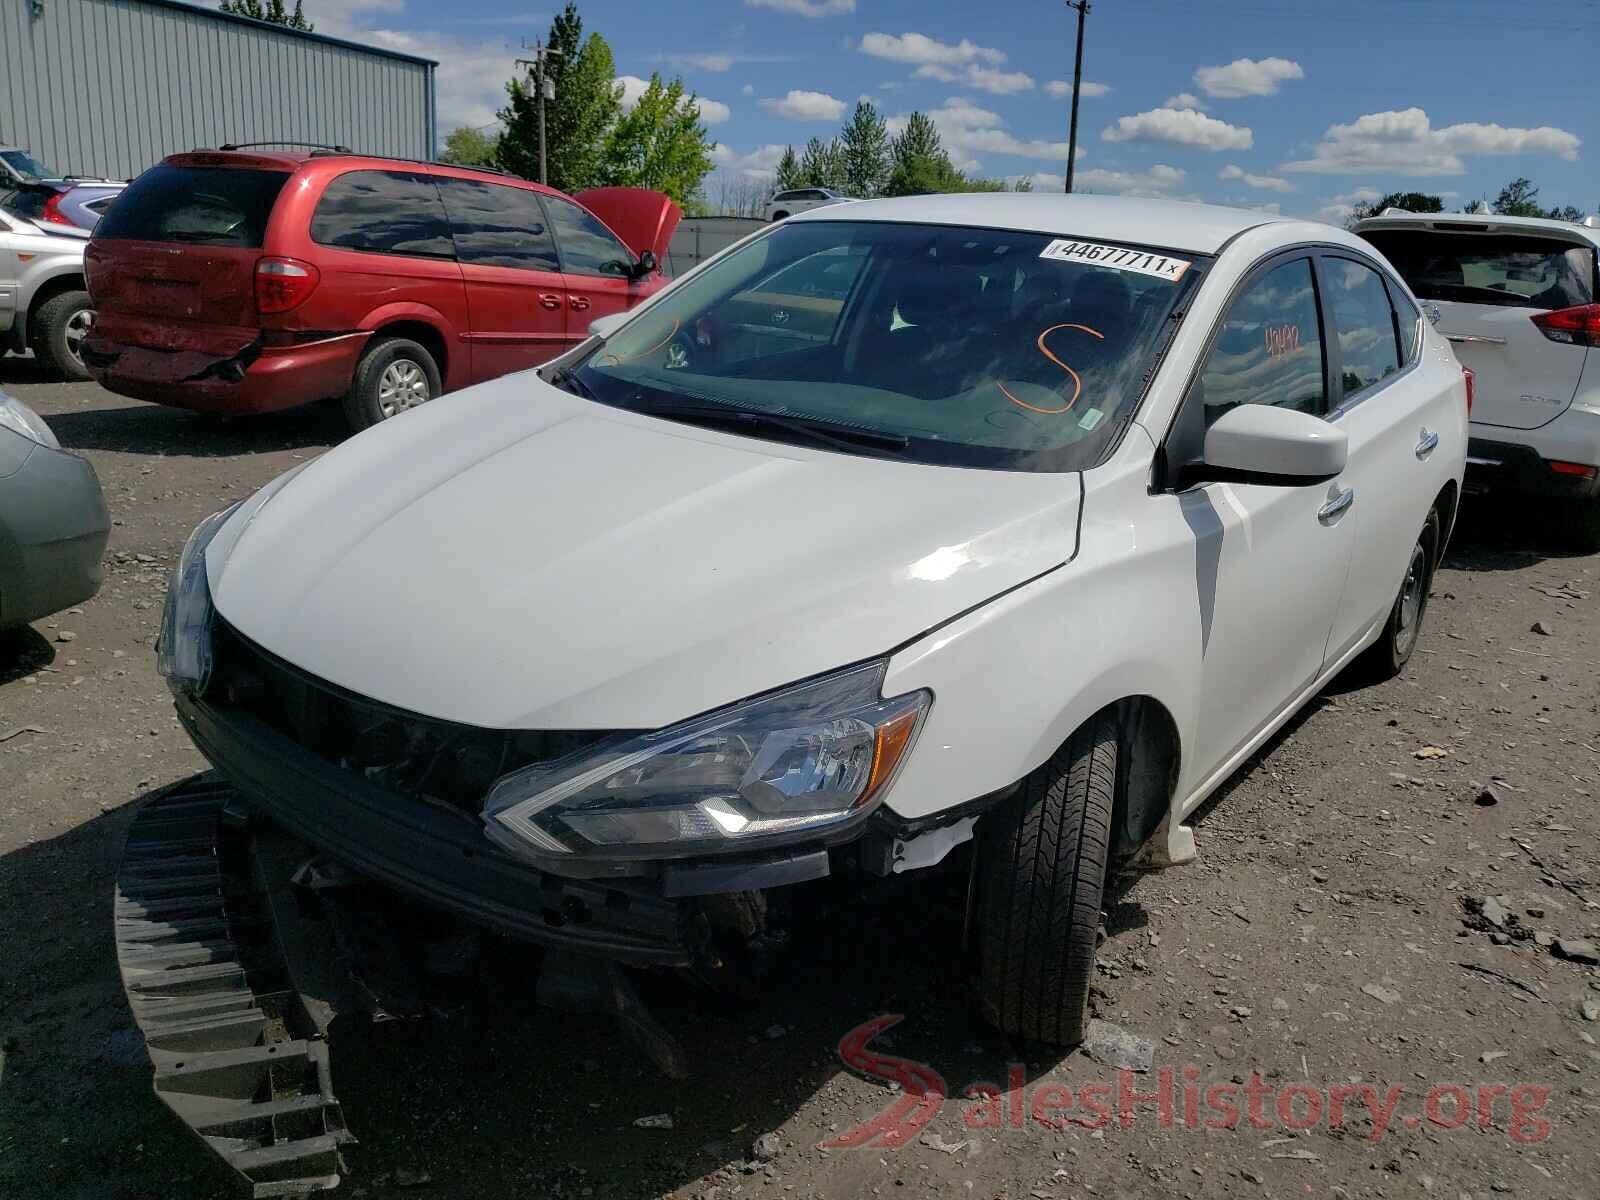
{"points": [[1040, 885], [62, 323], [395, 374], [1387, 657]]}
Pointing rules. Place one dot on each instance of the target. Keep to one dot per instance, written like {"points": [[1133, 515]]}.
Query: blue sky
{"points": [[1309, 108]]}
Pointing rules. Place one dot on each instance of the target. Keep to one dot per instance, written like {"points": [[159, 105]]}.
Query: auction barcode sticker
{"points": [[1120, 258]]}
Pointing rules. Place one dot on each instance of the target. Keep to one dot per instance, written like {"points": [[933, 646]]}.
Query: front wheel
{"points": [[63, 321], [1387, 657], [1041, 880], [395, 374]]}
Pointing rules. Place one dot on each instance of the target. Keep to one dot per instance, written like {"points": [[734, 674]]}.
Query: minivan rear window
{"points": [[204, 206], [1510, 270]]}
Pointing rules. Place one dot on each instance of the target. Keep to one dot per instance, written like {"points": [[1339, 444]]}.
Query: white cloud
{"points": [[748, 89], [1338, 210], [632, 88], [985, 79], [806, 8], [720, 60], [966, 130], [919, 48], [1159, 180], [1184, 100], [1179, 127], [1043, 181], [1060, 88], [759, 163], [800, 105], [471, 76], [1404, 142], [1247, 77], [1267, 183], [712, 112]]}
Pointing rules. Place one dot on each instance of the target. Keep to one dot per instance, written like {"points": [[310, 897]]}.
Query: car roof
{"points": [[1480, 223], [340, 161], [1175, 224]]}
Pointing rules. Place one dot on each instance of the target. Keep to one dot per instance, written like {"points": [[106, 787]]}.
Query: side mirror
{"points": [[646, 265], [604, 327], [1256, 443]]}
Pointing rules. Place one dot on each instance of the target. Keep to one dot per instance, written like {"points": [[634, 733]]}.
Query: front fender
{"points": [[1013, 679]]}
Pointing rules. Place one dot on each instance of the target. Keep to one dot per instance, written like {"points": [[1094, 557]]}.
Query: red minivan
{"points": [[238, 281]]}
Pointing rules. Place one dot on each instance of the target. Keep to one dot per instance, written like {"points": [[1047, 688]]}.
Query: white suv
{"points": [[787, 203], [1518, 298]]}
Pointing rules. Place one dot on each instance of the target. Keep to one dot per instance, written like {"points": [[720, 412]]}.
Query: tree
{"points": [[1417, 202], [660, 144], [920, 137], [273, 12], [864, 144], [924, 174], [586, 105], [468, 147], [1567, 212], [788, 173], [822, 164], [1519, 198]]}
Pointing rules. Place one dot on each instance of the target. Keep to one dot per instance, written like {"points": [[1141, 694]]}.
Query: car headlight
{"points": [[19, 418], [183, 651], [802, 762]]}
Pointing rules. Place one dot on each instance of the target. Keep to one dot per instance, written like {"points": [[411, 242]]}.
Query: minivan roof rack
{"points": [[284, 142]]}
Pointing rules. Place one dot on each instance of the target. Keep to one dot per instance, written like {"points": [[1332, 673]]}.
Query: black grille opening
{"points": [[417, 757]]}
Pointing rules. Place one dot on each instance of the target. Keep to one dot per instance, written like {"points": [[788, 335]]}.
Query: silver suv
{"points": [[44, 306]]}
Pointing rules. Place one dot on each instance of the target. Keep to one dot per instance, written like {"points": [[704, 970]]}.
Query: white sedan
{"points": [[1018, 520]]}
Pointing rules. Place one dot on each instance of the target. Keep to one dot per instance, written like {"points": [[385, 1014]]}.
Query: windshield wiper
{"points": [[815, 429], [569, 380]]}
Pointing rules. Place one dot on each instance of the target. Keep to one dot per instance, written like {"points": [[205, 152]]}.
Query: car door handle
{"points": [[1429, 443], [578, 302], [549, 300], [1480, 338], [1334, 508]]}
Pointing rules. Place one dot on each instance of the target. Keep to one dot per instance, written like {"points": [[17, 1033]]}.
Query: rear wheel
{"points": [[61, 324], [1387, 657], [1041, 879], [395, 374], [778, 216]]}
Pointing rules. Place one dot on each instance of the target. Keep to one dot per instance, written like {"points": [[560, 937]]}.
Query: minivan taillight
{"points": [[52, 211], [1472, 385], [283, 284], [1578, 326]]}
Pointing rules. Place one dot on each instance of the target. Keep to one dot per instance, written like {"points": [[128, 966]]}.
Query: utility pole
{"points": [[547, 91], [1077, 79]]}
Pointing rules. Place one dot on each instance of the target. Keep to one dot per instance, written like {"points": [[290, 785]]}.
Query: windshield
{"points": [[25, 165], [968, 347]]}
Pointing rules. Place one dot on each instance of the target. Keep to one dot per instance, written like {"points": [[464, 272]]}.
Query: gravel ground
{"points": [[1334, 933]]}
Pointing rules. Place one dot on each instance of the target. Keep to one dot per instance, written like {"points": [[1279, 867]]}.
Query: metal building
{"points": [[109, 87]]}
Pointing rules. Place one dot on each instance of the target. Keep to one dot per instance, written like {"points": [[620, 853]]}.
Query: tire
{"points": [[1387, 657], [395, 374], [1582, 524], [779, 216], [60, 325], [1041, 879]]}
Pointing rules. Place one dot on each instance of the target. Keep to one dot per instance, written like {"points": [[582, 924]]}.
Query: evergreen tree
{"points": [[864, 143], [587, 104], [788, 173], [273, 12]]}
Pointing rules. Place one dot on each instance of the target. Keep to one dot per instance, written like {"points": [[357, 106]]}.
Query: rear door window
{"points": [[498, 226], [204, 206], [1269, 349], [1363, 322], [383, 212], [1511, 270]]}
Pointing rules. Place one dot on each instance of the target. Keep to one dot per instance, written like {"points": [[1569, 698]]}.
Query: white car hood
{"points": [[515, 557]]}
